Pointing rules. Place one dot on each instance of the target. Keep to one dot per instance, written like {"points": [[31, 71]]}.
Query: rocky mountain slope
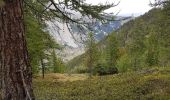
{"points": [[72, 38]]}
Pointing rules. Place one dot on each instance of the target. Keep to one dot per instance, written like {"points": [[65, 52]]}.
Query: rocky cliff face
{"points": [[72, 38]]}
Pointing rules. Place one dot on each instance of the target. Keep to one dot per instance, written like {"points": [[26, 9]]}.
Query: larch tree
{"points": [[15, 68], [91, 54], [112, 50]]}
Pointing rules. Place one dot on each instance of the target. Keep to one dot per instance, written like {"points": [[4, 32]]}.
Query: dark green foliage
{"points": [[105, 69], [101, 69], [56, 64], [112, 54], [52, 9], [39, 41], [112, 70], [112, 51], [145, 40]]}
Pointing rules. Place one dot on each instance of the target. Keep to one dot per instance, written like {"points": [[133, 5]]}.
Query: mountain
{"points": [[72, 36], [143, 42]]}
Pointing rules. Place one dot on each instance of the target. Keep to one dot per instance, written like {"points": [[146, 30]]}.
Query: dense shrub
{"points": [[104, 69]]}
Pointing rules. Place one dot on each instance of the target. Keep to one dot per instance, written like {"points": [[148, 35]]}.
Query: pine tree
{"points": [[112, 54]]}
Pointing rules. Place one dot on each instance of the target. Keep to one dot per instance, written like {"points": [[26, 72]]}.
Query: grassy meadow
{"points": [[148, 84]]}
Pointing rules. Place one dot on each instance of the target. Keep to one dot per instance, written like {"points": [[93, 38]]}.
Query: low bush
{"points": [[105, 69]]}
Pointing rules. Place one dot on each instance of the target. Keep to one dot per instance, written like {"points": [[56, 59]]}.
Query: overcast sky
{"points": [[126, 7]]}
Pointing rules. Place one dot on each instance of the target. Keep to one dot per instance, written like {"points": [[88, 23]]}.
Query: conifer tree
{"points": [[112, 52], [91, 54]]}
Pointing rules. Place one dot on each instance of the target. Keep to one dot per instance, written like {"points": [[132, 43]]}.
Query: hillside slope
{"points": [[143, 42]]}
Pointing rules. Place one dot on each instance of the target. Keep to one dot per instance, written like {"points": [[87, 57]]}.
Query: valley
{"points": [[77, 50]]}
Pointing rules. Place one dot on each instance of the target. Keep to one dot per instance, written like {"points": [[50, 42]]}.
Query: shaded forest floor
{"points": [[148, 84]]}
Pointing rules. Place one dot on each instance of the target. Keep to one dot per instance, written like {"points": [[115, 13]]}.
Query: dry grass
{"points": [[63, 77]]}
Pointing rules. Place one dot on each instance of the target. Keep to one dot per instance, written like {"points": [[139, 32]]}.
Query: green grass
{"points": [[150, 84]]}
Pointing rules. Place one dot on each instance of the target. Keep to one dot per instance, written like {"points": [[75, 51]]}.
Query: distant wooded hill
{"points": [[143, 41]]}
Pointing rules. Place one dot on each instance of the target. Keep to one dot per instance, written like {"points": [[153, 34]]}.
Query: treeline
{"points": [[145, 41], [99, 58], [140, 43]]}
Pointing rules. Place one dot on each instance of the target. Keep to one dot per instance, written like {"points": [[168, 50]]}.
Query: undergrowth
{"points": [[149, 84]]}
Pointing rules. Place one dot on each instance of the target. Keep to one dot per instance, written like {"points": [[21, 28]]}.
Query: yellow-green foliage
{"points": [[148, 84]]}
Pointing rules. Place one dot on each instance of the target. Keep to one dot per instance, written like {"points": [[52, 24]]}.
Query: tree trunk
{"points": [[43, 68], [15, 69]]}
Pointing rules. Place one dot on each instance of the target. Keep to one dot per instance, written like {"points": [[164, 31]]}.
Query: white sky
{"points": [[126, 7]]}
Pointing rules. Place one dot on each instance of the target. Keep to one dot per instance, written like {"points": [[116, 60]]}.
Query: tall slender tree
{"points": [[91, 57], [112, 50]]}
